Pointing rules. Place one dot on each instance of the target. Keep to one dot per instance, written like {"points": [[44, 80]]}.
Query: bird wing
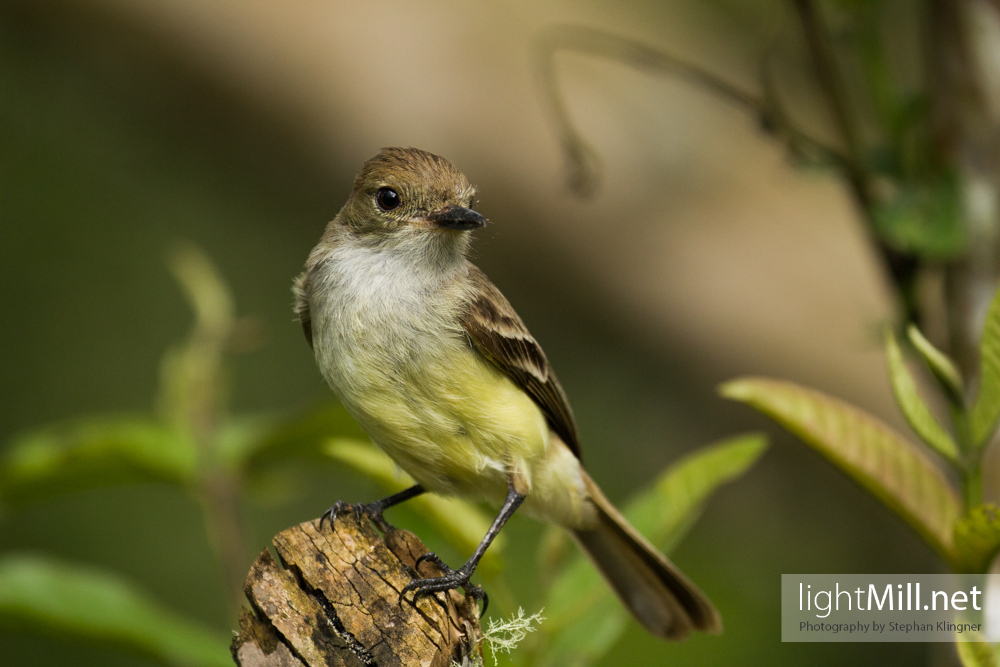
{"points": [[301, 290], [500, 335]]}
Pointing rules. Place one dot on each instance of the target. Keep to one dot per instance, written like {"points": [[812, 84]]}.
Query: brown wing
{"points": [[300, 288], [500, 335]]}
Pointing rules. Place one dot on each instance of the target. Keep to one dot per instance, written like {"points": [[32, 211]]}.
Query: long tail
{"points": [[654, 589]]}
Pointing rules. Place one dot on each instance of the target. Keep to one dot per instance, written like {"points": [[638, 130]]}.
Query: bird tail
{"points": [[657, 593]]}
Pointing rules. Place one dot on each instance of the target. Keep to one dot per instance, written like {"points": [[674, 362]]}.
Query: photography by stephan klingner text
{"points": [[886, 607]]}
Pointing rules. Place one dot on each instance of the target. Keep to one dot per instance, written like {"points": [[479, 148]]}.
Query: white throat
{"points": [[393, 307]]}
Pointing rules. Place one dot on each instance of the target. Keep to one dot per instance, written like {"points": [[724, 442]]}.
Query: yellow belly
{"points": [[454, 422], [388, 340], [464, 428]]}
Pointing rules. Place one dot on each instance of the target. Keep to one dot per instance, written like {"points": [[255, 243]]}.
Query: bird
{"points": [[433, 362]]}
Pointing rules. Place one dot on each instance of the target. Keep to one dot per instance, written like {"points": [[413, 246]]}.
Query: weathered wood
{"points": [[336, 603]]}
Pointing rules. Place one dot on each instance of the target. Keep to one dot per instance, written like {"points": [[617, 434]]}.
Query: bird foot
{"points": [[451, 580], [371, 510]]}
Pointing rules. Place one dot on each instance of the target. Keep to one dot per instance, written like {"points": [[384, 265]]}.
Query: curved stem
{"points": [[598, 42]]}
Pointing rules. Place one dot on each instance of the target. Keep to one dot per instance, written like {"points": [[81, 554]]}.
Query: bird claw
{"points": [[432, 557], [451, 580], [371, 510], [335, 510]]}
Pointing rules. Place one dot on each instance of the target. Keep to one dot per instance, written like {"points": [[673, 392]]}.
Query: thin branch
{"points": [[902, 267], [833, 87], [777, 121], [583, 159], [584, 162]]}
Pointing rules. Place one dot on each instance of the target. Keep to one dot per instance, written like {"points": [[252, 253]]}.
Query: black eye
{"points": [[388, 199]]}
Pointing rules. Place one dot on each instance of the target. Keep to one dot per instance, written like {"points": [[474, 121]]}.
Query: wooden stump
{"points": [[336, 602]]}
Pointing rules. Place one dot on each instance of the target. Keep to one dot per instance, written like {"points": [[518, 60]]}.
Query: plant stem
{"points": [[219, 499], [902, 267], [594, 41], [818, 40], [970, 459], [966, 140], [972, 486]]}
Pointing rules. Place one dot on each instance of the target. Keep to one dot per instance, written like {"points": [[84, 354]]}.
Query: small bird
{"points": [[434, 364]]}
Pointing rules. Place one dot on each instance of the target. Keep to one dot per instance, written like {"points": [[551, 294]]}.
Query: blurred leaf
{"points": [[976, 653], [99, 452], [103, 451], [977, 538], [986, 411], [939, 363], [192, 387], [240, 437], [596, 627], [49, 596], [913, 407], [584, 618], [304, 436], [922, 219], [554, 549], [665, 513], [874, 455], [205, 290], [462, 524]]}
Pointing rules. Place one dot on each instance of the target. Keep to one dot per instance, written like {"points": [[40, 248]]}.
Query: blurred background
{"points": [[127, 128]]}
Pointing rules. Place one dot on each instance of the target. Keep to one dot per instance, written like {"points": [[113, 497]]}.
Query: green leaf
{"points": [[941, 366], [303, 436], [874, 455], [462, 524], [584, 618], [977, 538], [597, 626], [92, 453], [666, 512], [914, 409], [975, 652], [986, 411], [240, 437], [46, 595], [923, 219]]}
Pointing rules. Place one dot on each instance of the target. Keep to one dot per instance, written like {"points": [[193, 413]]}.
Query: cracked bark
{"points": [[334, 600]]}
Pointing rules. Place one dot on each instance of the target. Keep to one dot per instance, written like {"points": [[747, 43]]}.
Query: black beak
{"points": [[457, 217]]}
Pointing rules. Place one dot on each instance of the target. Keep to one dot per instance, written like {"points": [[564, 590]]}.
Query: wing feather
{"points": [[499, 334], [300, 288]]}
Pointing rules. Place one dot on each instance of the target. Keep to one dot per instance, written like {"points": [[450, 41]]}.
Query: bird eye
{"points": [[388, 199]]}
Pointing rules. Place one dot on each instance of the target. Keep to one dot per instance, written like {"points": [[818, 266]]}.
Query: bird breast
{"points": [[388, 338]]}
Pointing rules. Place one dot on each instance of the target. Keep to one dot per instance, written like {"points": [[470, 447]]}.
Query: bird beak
{"points": [[457, 217]]}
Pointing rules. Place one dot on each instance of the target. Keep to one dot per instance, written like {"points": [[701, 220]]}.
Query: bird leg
{"points": [[372, 510], [460, 577]]}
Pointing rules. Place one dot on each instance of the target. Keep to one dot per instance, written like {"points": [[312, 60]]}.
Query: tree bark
{"points": [[336, 602]]}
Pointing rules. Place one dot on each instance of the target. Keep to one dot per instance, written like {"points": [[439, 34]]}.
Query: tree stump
{"points": [[336, 602]]}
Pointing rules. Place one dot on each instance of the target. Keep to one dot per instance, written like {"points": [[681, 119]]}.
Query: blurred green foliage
{"points": [[906, 136], [583, 620], [108, 155], [895, 470], [45, 595], [195, 445]]}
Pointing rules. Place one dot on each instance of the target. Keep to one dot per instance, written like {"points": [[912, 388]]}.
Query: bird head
{"points": [[407, 193]]}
